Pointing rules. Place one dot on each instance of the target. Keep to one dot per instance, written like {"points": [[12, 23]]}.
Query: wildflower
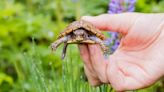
{"points": [[118, 6]]}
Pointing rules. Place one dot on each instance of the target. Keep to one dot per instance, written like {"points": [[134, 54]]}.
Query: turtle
{"points": [[80, 32]]}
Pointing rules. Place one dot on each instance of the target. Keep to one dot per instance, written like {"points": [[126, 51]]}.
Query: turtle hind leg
{"points": [[64, 50], [55, 44], [102, 44]]}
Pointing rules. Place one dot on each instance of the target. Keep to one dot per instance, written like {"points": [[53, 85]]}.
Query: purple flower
{"points": [[131, 5], [115, 45], [115, 6], [118, 6]]}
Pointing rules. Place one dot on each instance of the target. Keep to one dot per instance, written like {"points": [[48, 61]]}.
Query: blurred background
{"points": [[28, 27]]}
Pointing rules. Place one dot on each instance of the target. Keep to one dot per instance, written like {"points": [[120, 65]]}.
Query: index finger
{"points": [[113, 22]]}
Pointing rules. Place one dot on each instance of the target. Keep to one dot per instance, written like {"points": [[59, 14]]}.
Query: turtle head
{"points": [[79, 34]]}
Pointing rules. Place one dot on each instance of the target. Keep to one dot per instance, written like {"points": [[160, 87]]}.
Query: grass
{"points": [[70, 79], [33, 77]]}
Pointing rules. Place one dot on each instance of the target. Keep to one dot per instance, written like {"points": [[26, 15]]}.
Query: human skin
{"points": [[139, 60]]}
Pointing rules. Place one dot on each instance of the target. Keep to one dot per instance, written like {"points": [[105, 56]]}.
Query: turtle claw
{"points": [[53, 46], [106, 56]]}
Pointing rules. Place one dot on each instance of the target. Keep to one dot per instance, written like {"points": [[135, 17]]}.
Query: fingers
{"points": [[115, 22], [94, 81], [84, 52], [98, 61], [94, 64], [89, 71]]}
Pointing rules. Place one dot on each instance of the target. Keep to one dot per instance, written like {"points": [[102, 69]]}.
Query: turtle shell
{"points": [[82, 24]]}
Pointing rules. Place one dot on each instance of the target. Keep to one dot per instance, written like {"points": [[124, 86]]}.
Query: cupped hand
{"points": [[139, 60]]}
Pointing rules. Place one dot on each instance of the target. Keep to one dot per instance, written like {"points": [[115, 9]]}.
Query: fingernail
{"points": [[86, 18]]}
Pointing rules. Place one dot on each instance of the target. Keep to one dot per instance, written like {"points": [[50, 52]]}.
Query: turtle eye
{"points": [[75, 32]]}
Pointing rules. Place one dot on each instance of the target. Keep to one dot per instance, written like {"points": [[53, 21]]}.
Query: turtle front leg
{"points": [[55, 44], [102, 44]]}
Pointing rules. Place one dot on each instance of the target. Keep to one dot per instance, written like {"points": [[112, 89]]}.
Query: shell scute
{"points": [[82, 24]]}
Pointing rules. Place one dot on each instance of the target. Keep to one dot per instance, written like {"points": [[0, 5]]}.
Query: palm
{"points": [[135, 60], [138, 60]]}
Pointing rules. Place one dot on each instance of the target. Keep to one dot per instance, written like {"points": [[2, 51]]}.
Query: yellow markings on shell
{"points": [[84, 41], [98, 35], [63, 34], [88, 41], [82, 24]]}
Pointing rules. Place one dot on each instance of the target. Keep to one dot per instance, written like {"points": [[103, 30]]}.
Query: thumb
{"points": [[113, 22]]}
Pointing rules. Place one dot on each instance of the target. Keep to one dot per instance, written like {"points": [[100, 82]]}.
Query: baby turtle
{"points": [[80, 32]]}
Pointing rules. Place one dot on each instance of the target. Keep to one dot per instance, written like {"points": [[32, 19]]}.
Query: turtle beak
{"points": [[79, 38]]}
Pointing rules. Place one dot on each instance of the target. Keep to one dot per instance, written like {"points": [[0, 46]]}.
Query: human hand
{"points": [[139, 60]]}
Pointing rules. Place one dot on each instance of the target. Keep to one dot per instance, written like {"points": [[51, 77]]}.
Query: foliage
{"points": [[27, 27]]}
